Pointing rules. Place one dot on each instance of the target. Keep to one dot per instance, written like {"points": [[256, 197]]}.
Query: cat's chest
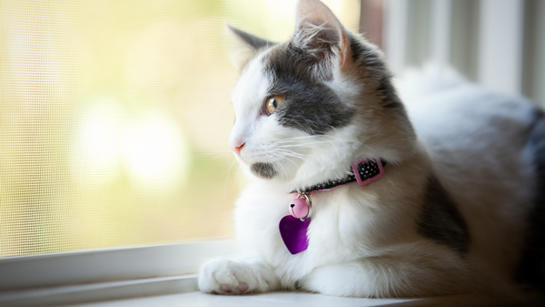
{"points": [[337, 226]]}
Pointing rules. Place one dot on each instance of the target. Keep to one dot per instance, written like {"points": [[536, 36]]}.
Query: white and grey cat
{"points": [[459, 207]]}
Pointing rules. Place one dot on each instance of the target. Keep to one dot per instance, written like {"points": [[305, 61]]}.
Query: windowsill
{"points": [[158, 275], [178, 291], [182, 291], [164, 291], [105, 274], [274, 299], [108, 265], [102, 291], [299, 299]]}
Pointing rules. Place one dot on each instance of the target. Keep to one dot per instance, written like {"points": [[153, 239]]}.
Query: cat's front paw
{"points": [[224, 276]]}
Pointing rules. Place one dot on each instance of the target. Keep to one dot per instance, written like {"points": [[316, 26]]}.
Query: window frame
{"points": [[104, 274]]}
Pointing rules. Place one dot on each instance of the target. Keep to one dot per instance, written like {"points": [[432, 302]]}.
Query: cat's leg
{"points": [[411, 272], [225, 276]]}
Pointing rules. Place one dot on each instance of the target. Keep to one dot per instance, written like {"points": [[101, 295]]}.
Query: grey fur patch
{"points": [[312, 106], [439, 219], [531, 267], [370, 60], [309, 105], [250, 39], [319, 42], [388, 94], [265, 170]]}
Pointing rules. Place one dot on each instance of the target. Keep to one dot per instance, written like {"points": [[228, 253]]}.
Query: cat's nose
{"points": [[238, 148]]}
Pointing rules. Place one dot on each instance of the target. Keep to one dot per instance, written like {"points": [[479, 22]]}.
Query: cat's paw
{"points": [[222, 276]]}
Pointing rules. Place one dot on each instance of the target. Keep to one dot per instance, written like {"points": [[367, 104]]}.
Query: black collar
{"points": [[363, 172]]}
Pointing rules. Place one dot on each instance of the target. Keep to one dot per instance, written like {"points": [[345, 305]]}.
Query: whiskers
{"points": [[290, 149]]}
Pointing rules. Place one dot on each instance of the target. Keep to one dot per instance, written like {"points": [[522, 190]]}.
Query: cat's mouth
{"points": [[263, 170]]}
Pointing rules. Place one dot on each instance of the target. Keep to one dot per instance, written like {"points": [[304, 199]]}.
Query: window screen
{"points": [[114, 119]]}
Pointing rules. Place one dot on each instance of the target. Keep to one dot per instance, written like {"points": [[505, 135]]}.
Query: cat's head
{"points": [[308, 108]]}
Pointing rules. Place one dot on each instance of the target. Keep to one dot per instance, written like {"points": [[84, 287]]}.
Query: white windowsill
{"points": [[105, 274], [159, 275], [165, 291], [101, 291], [274, 299], [300, 299], [182, 291], [108, 265]]}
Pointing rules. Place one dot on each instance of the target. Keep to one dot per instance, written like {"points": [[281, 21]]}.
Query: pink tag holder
{"points": [[294, 227], [367, 181]]}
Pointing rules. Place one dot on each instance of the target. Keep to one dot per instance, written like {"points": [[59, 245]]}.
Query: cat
{"points": [[356, 193]]}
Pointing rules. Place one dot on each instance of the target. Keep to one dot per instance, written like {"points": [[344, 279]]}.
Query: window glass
{"points": [[114, 119]]}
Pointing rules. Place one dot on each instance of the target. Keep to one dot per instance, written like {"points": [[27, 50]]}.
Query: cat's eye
{"points": [[272, 103]]}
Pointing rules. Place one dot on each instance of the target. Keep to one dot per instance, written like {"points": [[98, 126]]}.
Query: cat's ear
{"points": [[245, 47], [320, 33]]}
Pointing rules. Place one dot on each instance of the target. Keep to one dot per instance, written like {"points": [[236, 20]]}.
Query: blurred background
{"points": [[114, 115], [114, 119]]}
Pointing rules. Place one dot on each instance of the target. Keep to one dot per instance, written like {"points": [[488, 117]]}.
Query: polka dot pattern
{"points": [[367, 169]]}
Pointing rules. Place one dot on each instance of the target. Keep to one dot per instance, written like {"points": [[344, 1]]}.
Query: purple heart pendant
{"points": [[294, 233]]}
